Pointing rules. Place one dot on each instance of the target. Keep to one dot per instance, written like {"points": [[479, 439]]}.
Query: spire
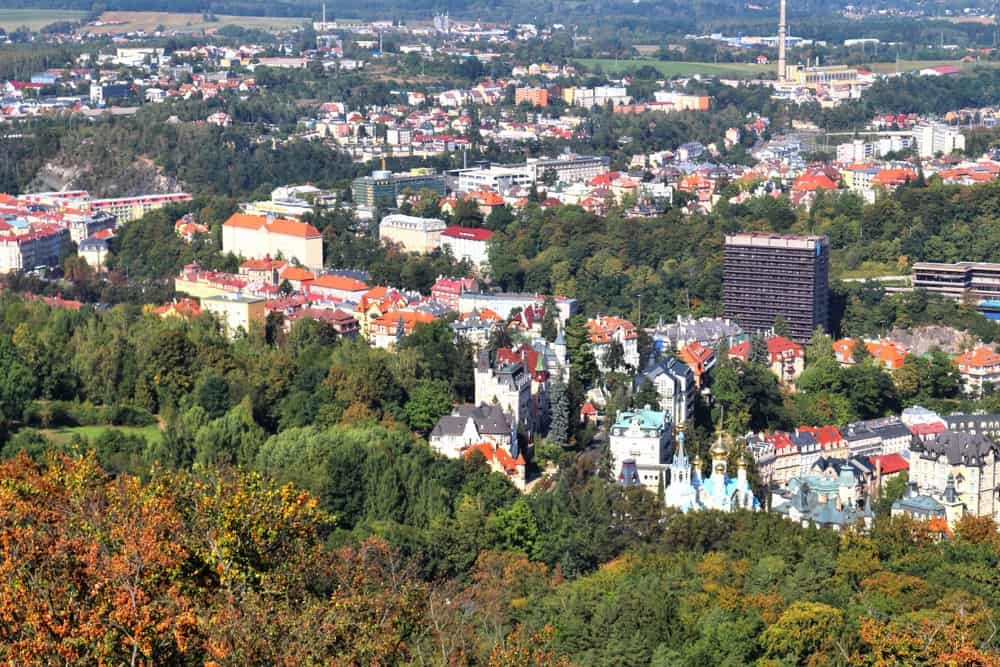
{"points": [[680, 442]]}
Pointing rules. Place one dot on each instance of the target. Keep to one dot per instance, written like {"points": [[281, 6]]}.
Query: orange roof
{"points": [[498, 454], [297, 273], [980, 357], [887, 353], [342, 283], [696, 356], [893, 177], [390, 321], [274, 225], [844, 347], [484, 314], [812, 182], [602, 329], [487, 198]]}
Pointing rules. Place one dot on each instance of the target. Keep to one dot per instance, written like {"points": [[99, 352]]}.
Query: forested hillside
{"points": [[171, 497]]}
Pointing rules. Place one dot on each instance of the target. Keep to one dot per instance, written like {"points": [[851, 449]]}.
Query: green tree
{"points": [[781, 326], [550, 326], [429, 401], [646, 395], [517, 527], [559, 428]]}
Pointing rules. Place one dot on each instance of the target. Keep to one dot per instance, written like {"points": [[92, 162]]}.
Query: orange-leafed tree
{"points": [[88, 568]]}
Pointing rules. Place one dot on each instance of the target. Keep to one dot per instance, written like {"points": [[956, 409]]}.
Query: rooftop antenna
{"points": [[324, 18]]}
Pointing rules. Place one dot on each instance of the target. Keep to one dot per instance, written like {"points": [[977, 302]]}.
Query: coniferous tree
{"points": [[559, 428]]}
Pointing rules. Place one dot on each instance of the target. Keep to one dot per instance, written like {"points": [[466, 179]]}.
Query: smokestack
{"points": [[782, 28]]}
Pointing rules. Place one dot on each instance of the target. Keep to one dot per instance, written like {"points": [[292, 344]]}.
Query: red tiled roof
{"points": [[469, 233], [891, 463]]}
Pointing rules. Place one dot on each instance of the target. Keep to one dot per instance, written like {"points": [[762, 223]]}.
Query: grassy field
{"points": [[61, 435], [675, 68], [35, 19], [149, 21]]}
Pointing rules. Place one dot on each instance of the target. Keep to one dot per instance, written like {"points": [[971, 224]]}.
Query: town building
{"points": [[448, 291], [40, 246], [675, 385], [413, 234], [508, 385], [237, 313], [969, 461], [536, 97], [470, 425], [127, 209], [468, 244], [94, 250], [606, 332], [387, 330], [937, 138], [253, 236], [643, 436], [767, 275], [499, 460], [785, 357], [978, 280], [708, 331], [504, 303], [979, 368], [338, 288], [382, 188]]}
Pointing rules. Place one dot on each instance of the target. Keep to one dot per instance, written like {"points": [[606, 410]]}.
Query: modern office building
{"points": [[980, 280], [768, 274], [383, 187]]}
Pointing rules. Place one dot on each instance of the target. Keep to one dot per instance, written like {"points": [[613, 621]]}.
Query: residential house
{"points": [[237, 313], [499, 460], [967, 461], [470, 425], [386, 331], [786, 358], [642, 436], [979, 368], [606, 332], [340, 288], [675, 385]]}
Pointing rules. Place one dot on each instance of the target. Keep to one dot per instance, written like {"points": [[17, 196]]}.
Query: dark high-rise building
{"points": [[767, 275]]}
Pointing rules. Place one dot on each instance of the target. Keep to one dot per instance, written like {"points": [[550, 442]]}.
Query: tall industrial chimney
{"points": [[782, 29]]}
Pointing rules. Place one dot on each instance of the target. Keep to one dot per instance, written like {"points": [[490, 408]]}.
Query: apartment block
{"points": [[767, 275]]}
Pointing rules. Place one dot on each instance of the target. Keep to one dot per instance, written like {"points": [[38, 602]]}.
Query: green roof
{"points": [[648, 419]]}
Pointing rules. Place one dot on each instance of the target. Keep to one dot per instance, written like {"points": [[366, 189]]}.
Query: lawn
{"points": [[35, 19], [671, 68], [149, 21], [62, 435]]}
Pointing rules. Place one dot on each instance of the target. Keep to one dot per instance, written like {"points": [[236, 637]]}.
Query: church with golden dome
{"points": [[688, 490]]}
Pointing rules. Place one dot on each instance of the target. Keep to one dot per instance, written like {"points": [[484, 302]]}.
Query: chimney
{"points": [[782, 28]]}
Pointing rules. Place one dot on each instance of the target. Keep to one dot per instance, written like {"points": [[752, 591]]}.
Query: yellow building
{"points": [[237, 313], [814, 77], [422, 235]]}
